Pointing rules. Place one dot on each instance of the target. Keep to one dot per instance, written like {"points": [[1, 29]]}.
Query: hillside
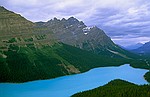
{"points": [[48, 62], [12, 23], [30, 52], [74, 32], [143, 50], [134, 46], [117, 88], [147, 76], [33, 51]]}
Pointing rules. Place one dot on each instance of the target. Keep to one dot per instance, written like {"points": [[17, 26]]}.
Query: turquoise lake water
{"points": [[68, 85]]}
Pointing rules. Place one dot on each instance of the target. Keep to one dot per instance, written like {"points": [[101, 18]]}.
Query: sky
{"points": [[127, 22]]}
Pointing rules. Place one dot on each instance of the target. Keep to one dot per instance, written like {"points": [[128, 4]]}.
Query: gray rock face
{"points": [[76, 33]]}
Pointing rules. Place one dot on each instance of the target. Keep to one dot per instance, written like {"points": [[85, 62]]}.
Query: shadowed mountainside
{"points": [[117, 88], [33, 51]]}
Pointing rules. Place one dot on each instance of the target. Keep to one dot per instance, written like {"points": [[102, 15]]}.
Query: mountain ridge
{"points": [[134, 46], [10, 20], [73, 32], [143, 50], [33, 51]]}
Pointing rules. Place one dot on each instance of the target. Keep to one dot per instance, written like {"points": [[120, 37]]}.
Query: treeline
{"points": [[26, 64], [23, 64], [117, 88], [147, 76], [86, 60]]}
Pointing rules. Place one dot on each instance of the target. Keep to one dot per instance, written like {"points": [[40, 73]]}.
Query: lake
{"points": [[68, 85]]}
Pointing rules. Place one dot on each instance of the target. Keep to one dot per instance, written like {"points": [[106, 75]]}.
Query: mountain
{"points": [[143, 50], [11, 23], [117, 88], [75, 33], [134, 46], [34, 51]]}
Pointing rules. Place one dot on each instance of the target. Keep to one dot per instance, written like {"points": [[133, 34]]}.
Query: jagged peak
{"points": [[63, 19], [69, 21], [2, 8], [55, 19], [72, 19]]}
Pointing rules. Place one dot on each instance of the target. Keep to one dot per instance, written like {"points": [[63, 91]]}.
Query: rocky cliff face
{"points": [[74, 32]]}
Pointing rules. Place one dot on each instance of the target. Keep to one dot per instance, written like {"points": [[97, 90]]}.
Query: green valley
{"points": [[43, 50], [21, 64]]}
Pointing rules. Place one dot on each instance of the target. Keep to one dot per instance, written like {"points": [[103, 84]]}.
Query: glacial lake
{"points": [[68, 85]]}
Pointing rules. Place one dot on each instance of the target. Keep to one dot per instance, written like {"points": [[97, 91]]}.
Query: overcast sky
{"points": [[125, 21]]}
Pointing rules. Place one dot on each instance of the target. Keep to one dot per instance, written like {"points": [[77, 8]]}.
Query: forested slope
{"points": [[117, 88]]}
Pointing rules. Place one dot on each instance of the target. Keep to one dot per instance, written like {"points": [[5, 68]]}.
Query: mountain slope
{"points": [[117, 88], [134, 46], [11, 23], [76, 33], [147, 76], [144, 50], [21, 64], [32, 51]]}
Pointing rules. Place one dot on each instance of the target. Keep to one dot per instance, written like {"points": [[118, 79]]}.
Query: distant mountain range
{"points": [[32, 51], [143, 50], [134, 46]]}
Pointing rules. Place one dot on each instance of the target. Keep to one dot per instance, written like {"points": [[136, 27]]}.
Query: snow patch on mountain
{"points": [[86, 29]]}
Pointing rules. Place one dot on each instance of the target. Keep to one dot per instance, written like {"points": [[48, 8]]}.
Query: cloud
{"points": [[115, 17], [134, 40]]}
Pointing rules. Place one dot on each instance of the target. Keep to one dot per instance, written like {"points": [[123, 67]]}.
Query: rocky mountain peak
{"points": [[72, 20], [73, 32], [63, 19], [2, 8], [54, 20]]}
